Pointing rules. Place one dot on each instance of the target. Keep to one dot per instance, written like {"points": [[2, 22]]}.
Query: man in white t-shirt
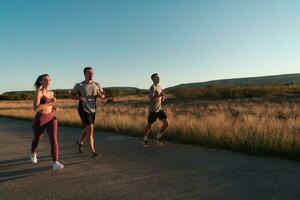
{"points": [[86, 92], [156, 97]]}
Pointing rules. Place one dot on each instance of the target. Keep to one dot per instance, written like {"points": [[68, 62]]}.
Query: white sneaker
{"points": [[57, 166], [33, 158], [145, 143]]}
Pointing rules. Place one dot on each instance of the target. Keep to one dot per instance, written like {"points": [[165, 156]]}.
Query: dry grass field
{"points": [[252, 126]]}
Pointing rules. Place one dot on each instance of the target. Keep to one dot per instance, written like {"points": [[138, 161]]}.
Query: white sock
{"points": [[158, 136], [145, 138]]}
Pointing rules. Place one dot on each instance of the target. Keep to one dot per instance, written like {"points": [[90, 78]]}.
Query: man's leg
{"points": [[145, 138], [163, 117], [147, 131], [151, 119], [163, 128], [90, 135], [82, 136], [79, 142], [85, 121]]}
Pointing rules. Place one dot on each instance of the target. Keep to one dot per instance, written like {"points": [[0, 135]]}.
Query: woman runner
{"points": [[44, 106]]}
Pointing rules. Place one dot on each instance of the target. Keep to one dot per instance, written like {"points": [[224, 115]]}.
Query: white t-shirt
{"points": [[89, 92]]}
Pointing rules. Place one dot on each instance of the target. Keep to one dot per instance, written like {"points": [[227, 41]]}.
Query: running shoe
{"points": [[95, 155], [33, 158], [57, 166], [158, 142], [145, 143], [79, 146]]}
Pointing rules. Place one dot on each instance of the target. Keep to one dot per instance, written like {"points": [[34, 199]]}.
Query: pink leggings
{"points": [[48, 122]]}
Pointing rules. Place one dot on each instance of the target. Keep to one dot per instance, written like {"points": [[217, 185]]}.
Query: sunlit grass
{"points": [[253, 127]]}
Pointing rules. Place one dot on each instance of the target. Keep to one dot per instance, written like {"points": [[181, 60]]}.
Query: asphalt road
{"points": [[128, 171]]}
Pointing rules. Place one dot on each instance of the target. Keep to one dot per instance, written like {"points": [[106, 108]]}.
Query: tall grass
{"points": [[255, 127]]}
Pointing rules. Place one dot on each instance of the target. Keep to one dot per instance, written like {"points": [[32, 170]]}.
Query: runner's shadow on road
{"points": [[25, 161], [19, 161], [3, 162], [23, 173], [16, 174]]}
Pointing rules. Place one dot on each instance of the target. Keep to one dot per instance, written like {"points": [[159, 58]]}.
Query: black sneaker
{"points": [[79, 146], [145, 143], [95, 155]]}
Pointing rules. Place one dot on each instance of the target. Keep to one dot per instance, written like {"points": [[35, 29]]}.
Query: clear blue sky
{"points": [[127, 40]]}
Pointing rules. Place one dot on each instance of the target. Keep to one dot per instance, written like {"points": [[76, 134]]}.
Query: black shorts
{"points": [[152, 117], [86, 117]]}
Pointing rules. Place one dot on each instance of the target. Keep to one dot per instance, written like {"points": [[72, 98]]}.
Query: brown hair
{"points": [[37, 83]]}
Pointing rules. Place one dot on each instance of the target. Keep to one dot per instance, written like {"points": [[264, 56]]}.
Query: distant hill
{"points": [[217, 89], [262, 80], [25, 95], [63, 93], [122, 88]]}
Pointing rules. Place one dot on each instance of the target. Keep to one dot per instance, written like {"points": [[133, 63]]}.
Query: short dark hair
{"points": [[152, 76], [86, 68]]}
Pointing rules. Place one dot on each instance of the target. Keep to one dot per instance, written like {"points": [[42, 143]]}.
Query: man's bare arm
{"points": [[74, 95]]}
